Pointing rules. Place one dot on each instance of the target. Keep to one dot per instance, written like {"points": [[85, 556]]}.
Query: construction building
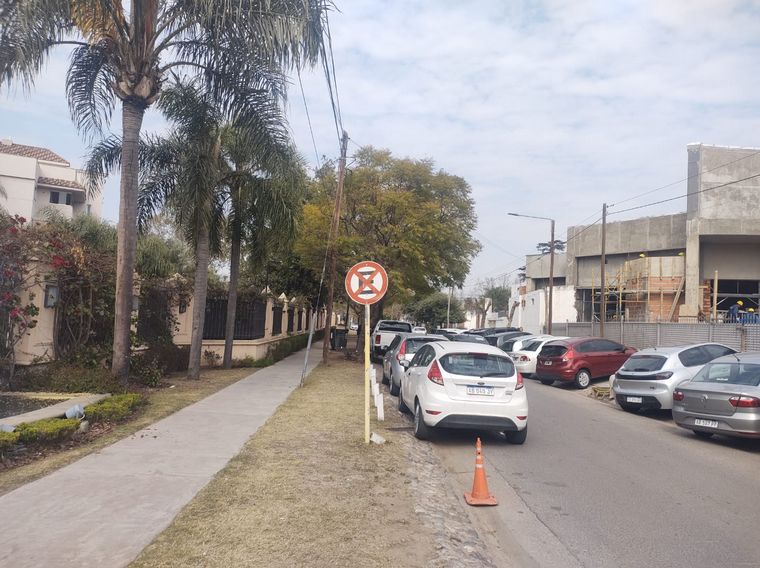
{"points": [[683, 267]]}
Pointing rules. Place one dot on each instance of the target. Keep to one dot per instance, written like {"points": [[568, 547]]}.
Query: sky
{"points": [[546, 108]]}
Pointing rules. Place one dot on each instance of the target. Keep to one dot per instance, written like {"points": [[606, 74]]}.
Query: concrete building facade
{"points": [[665, 267], [35, 180]]}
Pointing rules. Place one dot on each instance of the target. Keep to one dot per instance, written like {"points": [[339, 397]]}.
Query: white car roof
{"points": [[666, 351], [466, 347]]}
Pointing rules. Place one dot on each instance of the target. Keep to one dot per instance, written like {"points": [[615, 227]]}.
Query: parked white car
{"points": [[464, 385], [526, 356], [646, 381]]}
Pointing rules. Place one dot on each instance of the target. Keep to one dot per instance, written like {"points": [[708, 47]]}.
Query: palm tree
{"points": [[123, 55], [186, 172], [264, 207]]}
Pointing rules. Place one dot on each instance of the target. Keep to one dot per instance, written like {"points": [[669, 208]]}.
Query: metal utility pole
{"points": [[550, 301], [448, 309], [331, 246], [551, 281], [603, 286]]}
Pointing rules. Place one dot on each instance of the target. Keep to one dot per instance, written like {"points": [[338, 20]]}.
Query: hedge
{"points": [[62, 377], [46, 431], [114, 408], [7, 440]]}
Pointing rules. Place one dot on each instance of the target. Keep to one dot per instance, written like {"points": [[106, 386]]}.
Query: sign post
{"points": [[366, 283]]}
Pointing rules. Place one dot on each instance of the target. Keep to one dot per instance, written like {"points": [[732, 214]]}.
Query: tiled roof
{"points": [[59, 183], [31, 152]]}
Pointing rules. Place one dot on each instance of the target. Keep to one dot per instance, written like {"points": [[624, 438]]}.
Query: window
{"points": [[716, 351], [729, 373], [587, 347], [642, 363], [394, 343], [532, 346], [606, 345], [395, 326], [68, 199], [423, 357], [414, 345], [478, 365], [55, 197], [553, 351], [693, 357]]}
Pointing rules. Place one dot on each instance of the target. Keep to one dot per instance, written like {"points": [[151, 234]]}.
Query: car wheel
{"points": [[547, 381], [518, 437], [385, 377], [421, 430], [583, 379], [703, 435], [402, 408], [393, 388]]}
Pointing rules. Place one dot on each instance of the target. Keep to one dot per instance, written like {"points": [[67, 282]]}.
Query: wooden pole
{"points": [[551, 280], [715, 298], [331, 248]]}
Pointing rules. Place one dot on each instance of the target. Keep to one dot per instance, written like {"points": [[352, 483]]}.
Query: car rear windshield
{"points": [[395, 326], [644, 363], [467, 338], [729, 373], [477, 365], [553, 351], [412, 345], [508, 345], [532, 346]]}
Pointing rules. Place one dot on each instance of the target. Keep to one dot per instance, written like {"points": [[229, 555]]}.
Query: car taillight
{"points": [[744, 402], [524, 358], [401, 351], [520, 384], [663, 376], [434, 374], [677, 395], [377, 339], [569, 354]]}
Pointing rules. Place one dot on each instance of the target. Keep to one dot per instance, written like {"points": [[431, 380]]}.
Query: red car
{"points": [[580, 359]]}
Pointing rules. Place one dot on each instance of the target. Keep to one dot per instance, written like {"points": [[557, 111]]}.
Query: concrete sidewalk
{"points": [[105, 508]]}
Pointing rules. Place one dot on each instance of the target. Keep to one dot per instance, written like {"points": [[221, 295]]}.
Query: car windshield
{"points": [[469, 338], [477, 365], [553, 351], [394, 326], [532, 346], [412, 345], [642, 363], [747, 374]]}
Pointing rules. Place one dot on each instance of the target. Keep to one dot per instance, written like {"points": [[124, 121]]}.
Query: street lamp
{"points": [[551, 266]]}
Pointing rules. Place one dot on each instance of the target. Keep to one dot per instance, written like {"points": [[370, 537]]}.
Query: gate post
{"points": [[658, 332]]}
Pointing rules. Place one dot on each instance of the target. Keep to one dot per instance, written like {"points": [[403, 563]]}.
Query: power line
{"points": [[684, 179], [683, 196], [308, 117]]}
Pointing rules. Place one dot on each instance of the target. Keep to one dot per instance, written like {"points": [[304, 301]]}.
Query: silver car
{"points": [[723, 398], [646, 381], [400, 352]]}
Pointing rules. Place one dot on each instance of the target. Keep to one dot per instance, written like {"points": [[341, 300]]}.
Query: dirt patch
{"points": [[306, 491], [30, 463]]}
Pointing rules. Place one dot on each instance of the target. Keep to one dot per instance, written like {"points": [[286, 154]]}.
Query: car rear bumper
{"points": [[646, 402], [739, 424], [565, 375], [526, 368], [654, 395], [490, 415]]}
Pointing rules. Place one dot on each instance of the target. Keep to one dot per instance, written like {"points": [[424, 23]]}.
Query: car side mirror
{"points": [[404, 363]]}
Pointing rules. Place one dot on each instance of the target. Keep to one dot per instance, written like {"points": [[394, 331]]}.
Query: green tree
{"points": [[432, 310], [545, 248], [413, 219], [124, 51]]}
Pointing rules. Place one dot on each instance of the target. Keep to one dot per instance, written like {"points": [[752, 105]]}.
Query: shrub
{"points": [[63, 377], [146, 370], [249, 361], [171, 358], [290, 345], [114, 408], [46, 431], [7, 441], [211, 358]]}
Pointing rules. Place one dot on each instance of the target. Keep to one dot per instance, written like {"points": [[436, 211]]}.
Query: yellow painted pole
{"points": [[366, 374]]}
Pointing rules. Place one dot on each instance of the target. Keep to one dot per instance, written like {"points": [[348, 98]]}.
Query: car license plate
{"points": [[486, 391], [636, 399], [708, 423], [547, 363]]}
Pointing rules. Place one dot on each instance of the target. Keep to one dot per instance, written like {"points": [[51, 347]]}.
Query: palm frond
{"points": [[89, 87]]}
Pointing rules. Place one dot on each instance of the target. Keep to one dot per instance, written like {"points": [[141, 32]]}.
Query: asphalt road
{"points": [[598, 487]]}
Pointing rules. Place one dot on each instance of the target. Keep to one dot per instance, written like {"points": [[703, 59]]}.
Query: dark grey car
{"points": [[723, 398], [400, 352]]}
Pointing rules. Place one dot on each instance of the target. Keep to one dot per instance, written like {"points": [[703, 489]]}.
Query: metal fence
{"points": [[666, 334], [250, 319], [276, 320], [291, 313]]}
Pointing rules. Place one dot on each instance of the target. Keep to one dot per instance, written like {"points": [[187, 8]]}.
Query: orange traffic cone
{"points": [[479, 495]]}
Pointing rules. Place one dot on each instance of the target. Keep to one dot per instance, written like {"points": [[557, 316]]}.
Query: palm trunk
{"points": [[132, 117], [199, 300], [229, 332]]}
